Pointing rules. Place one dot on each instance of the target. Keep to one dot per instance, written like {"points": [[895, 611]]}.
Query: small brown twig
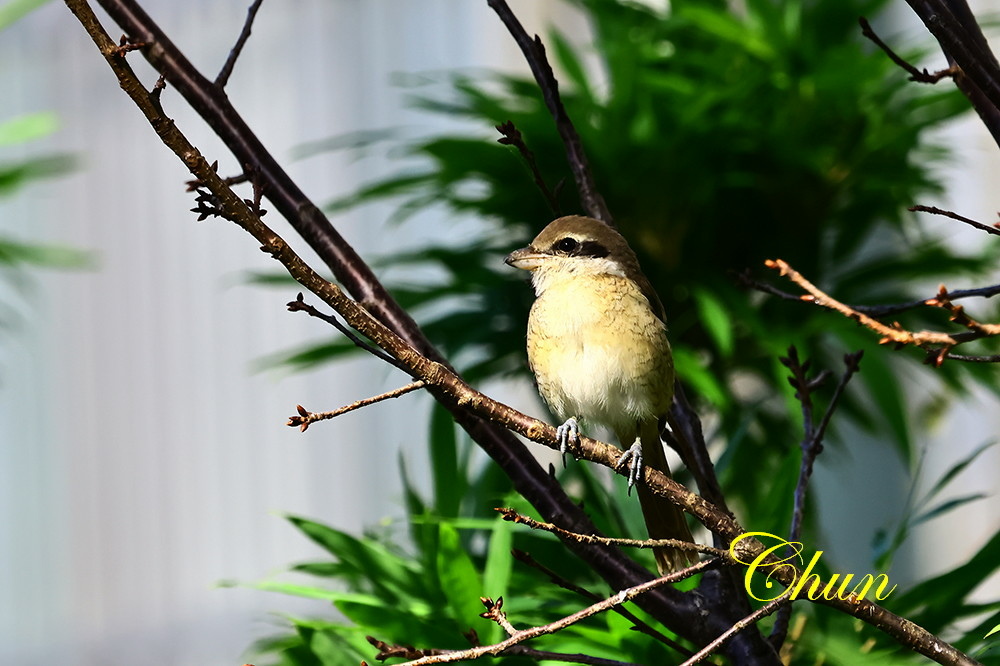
{"points": [[515, 517], [300, 305], [520, 636], [937, 345], [227, 68], [126, 45], [534, 53], [955, 216], [512, 137], [637, 624], [751, 619], [871, 310], [918, 75], [305, 418]]}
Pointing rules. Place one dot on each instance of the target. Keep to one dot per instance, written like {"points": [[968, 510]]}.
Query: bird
{"points": [[597, 345]]}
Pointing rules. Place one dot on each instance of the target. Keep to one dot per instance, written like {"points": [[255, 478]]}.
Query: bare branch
{"points": [[515, 517], [920, 76], [937, 344], [299, 305], [871, 310], [534, 53], [812, 446], [227, 69], [637, 624], [955, 216], [512, 137], [472, 409], [305, 418], [749, 620], [963, 43], [534, 632]]}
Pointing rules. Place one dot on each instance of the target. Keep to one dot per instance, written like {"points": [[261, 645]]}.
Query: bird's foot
{"points": [[633, 458], [568, 433]]}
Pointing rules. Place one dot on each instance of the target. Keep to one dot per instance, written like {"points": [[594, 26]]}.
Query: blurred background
{"points": [[143, 456]]}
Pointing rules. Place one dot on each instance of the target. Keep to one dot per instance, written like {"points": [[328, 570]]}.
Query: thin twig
{"points": [[955, 216], [227, 68], [389, 651], [534, 53], [566, 584], [379, 320], [964, 44], [871, 310], [558, 625], [512, 137], [812, 446], [921, 76], [299, 305], [515, 517], [937, 344], [748, 621], [305, 418]]}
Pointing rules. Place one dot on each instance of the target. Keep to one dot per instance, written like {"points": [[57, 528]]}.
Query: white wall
{"points": [[142, 458]]}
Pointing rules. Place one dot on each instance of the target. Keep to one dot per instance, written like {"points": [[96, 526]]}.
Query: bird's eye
{"points": [[567, 245]]}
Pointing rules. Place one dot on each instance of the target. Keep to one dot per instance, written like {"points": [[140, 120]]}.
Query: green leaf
{"points": [[957, 469], [391, 576], [13, 10], [15, 253], [27, 127], [945, 507], [716, 320], [449, 484], [992, 631], [459, 578]]}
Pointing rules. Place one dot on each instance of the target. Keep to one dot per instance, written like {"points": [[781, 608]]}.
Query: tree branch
{"points": [[534, 632], [472, 409], [305, 418], [936, 344], [227, 68], [812, 446], [534, 52], [955, 216], [962, 41]]}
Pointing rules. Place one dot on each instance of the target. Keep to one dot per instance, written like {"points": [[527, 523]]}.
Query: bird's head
{"points": [[573, 247]]}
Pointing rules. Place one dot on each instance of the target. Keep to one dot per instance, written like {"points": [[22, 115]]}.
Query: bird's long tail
{"points": [[664, 520]]}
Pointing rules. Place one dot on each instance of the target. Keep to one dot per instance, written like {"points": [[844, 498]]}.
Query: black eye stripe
{"points": [[591, 249], [574, 248]]}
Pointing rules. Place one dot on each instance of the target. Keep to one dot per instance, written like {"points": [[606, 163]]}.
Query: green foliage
{"points": [[718, 139], [429, 597]]}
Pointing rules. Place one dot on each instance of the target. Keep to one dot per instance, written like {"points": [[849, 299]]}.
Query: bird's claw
{"points": [[632, 457], [568, 433]]}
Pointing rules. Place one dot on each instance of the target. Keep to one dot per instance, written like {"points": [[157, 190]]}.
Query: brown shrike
{"points": [[597, 343]]}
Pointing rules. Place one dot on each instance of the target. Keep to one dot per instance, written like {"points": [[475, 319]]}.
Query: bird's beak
{"points": [[527, 258]]}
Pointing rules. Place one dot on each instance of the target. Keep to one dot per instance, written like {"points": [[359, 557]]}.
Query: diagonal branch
{"points": [[227, 68], [753, 618], [963, 43], [534, 632], [473, 409], [955, 216], [918, 75], [534, 53], [937, 344]]}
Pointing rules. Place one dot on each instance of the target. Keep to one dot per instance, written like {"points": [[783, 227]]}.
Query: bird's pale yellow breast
{"points": [[598, 351]]}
